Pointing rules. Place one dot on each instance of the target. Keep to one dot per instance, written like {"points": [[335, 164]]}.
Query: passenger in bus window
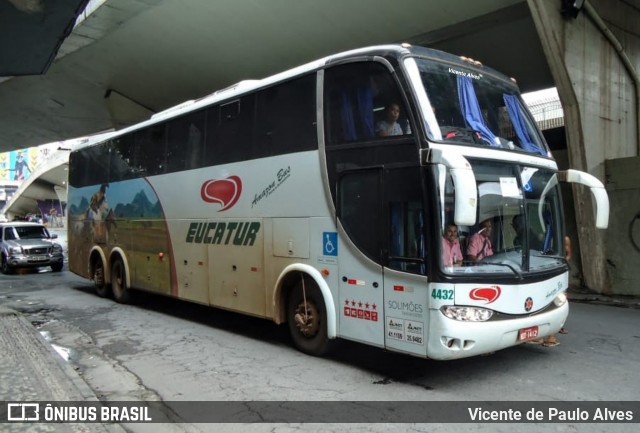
{"points": [[535, 240], [389, 125], [480, 243], [451, 253], [518, 227]]}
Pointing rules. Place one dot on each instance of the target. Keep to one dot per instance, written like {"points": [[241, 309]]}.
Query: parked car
{"points": [[28, 245]]}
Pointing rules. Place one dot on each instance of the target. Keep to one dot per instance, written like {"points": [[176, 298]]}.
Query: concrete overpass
{"points": [[126, 59]]}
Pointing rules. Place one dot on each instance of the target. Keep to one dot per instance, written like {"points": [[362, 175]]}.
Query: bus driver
{"points": [[480, 243]]}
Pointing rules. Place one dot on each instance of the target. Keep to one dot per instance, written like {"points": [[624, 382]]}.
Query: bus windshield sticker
{"points": [[465, 74], [509, 187]]}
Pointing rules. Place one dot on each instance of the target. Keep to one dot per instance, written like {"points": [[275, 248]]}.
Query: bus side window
{"points": [[350, 116], [122, 158], [232, 139], [95, 166], [185, 142], [407, 247], [150, 154], [359, 210], [286, 118], [355, 96]]}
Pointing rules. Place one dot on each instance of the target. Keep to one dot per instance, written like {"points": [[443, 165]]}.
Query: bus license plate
{"points": [[530, 333]]}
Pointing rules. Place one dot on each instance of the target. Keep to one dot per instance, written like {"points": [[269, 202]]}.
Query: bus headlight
{"points": [[466, 314], [560, 300]]}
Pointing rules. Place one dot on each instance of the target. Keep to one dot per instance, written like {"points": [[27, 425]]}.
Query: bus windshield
{"points": [[519, 228], [473, 108]]}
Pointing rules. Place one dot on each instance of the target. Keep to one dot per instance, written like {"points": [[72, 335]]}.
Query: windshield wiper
{"points": [[561, 258], [513, 269]]}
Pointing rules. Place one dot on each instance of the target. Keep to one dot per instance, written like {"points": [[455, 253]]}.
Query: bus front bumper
{"points": [[452, 339]]}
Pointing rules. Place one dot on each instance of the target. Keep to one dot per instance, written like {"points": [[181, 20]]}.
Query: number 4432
{"points": [[442, 294]]}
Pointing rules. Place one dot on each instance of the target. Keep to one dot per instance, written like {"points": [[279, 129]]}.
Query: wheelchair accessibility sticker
{"points": [[330, 244]]}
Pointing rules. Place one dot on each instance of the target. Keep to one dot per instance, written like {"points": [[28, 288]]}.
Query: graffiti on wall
{"points": [[18, 165]]}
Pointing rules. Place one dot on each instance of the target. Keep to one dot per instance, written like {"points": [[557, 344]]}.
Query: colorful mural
{"points": [[123, 214], [18, 164]]}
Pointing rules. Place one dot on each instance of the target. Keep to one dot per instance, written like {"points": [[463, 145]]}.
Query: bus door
{"points": [[361, 304], [405, 281]]}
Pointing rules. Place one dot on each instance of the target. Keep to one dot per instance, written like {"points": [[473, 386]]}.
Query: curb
{"points": [[39, 352]]}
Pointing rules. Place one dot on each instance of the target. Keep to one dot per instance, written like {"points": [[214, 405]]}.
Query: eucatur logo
{"points": [[225, 192], [488, 294]]}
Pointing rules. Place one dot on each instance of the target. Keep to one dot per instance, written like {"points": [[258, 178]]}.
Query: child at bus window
{"points": [[389, 125], [451, 253], [480, 243]]}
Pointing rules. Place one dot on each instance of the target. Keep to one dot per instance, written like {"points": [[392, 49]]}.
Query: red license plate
{"points": [[530, 333]]}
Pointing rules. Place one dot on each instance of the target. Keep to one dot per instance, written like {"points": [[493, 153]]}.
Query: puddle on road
{"points": [[64, 352]]}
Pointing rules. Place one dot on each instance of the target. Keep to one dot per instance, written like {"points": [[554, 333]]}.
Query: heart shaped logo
{"points": [[488, 294], [225, 192]]}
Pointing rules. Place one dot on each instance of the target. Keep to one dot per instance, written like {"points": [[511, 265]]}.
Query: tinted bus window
{"points": [[229, 131], [286, 118], [359, 209], [185, 142], [89, 166], [150, 145], [357, 96], [121, 150]]}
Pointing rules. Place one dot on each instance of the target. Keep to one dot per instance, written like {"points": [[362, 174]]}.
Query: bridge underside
{"points": [[129, 58]]}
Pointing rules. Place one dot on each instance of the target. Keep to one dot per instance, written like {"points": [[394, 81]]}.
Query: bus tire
{"points": [[308, 324], [99, 284], [119, 288]]}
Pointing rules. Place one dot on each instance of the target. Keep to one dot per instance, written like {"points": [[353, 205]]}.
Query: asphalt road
{"points": [[162, 349]]}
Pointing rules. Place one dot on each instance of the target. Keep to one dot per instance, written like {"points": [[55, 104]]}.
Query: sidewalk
{"points": [[31, 370], [588, 297]]}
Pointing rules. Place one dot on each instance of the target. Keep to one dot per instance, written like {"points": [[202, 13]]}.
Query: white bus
{"points": [[319, 197]]}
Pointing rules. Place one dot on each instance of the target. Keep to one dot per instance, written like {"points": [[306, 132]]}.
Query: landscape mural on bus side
{"points": [[126, 214]]}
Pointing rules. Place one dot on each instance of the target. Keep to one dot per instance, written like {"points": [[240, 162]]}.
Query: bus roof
{"points": [[245, 86]]}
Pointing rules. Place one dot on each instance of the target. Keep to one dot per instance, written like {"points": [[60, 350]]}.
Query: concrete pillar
{"points": [[597, 87], [623, 252]]}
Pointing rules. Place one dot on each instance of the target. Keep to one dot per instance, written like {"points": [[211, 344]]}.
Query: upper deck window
{"points": [[362, 103], [478, 109]]}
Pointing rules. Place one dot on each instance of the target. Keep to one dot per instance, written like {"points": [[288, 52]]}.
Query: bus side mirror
{"points": [[466, 198], [597, 189]]}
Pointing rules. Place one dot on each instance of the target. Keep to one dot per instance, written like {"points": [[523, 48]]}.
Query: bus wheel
{"points": [[307, 318], [101, 287], [119, 282]]}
